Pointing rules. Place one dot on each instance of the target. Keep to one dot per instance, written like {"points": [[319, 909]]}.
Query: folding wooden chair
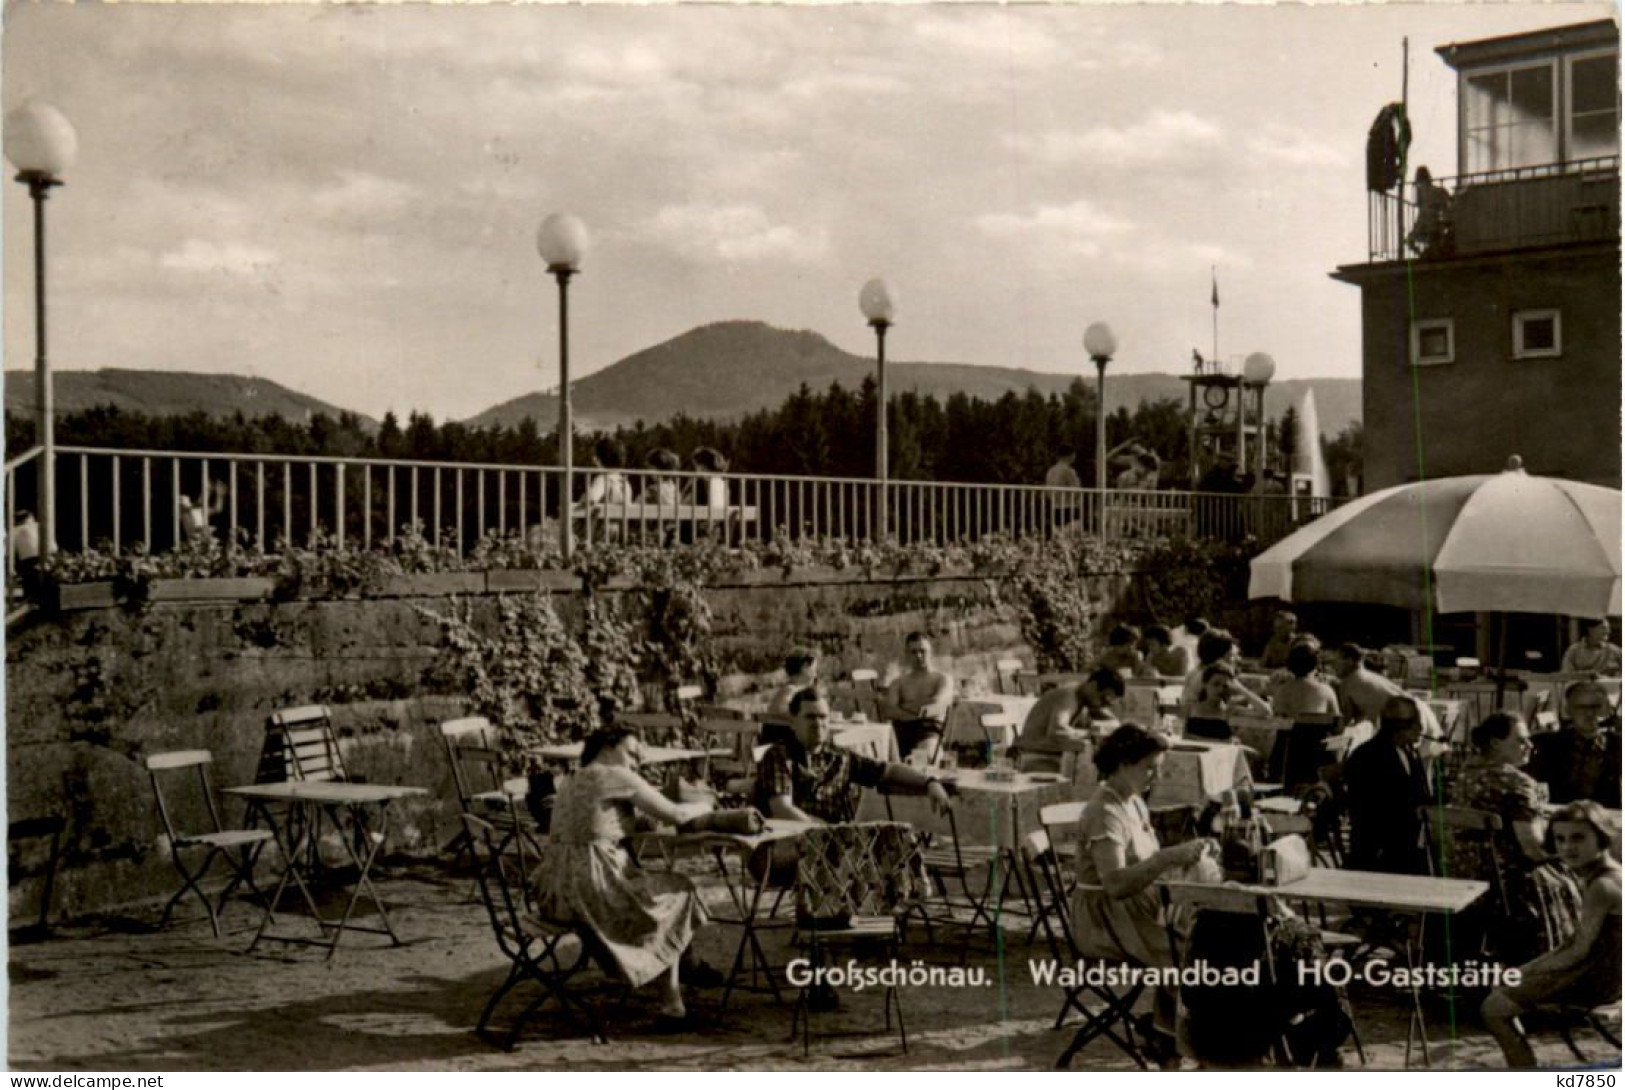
{"points": [[49, 828], [1596, 1019], [1060, 821], [530, 942], [1112, 1013], [238, 848], [854, 885], [300, 745], [955, 863], [1300, 751], [730, 745], [1448, 825], [1008, 669], [478, 768], [1050, 889]]}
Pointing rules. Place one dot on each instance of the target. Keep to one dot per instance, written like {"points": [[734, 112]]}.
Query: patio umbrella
{"points": [[1505, 542]]}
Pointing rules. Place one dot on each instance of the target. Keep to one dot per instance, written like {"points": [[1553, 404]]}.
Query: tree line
{"points": [[830, 433]]}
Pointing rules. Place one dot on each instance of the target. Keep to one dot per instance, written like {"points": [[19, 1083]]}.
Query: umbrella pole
{"points": [[1500, 659]]}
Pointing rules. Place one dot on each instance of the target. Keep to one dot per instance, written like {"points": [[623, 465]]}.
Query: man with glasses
{"points": [[1581, 760], [1387, 781]]}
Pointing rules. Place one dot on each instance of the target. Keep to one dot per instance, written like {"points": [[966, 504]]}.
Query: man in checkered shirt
{"points": [[806, 777]]}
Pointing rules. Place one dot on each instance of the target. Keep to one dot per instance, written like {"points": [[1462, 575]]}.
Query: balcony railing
{"points": [[1501, 210], [115, 499]]}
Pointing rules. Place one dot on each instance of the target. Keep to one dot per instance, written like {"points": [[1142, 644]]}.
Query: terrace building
{"points": [[1491, 300]]}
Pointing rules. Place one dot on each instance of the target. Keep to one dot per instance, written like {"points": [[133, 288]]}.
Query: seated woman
{"points": [[1221, 694], [1593, 654], [1543, 901], [1303, 692], [643, 921], [1117, 913], [1584, 971]]}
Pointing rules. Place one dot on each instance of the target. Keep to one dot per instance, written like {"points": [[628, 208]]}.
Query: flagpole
{"points": [[1215, 272]]}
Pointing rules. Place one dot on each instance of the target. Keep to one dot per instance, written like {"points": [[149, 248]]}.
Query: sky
{"points": [[345, 198]]}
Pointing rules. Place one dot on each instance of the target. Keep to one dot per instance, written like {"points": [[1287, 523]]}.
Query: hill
{"points": [[728, 369], [166, 393]]}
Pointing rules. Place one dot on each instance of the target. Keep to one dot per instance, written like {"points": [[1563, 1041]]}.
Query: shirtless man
{"points": [[1060, 720], [917, 703]]}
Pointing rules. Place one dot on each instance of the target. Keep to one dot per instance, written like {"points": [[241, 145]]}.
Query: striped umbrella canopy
{"points": [[1506, 542]]}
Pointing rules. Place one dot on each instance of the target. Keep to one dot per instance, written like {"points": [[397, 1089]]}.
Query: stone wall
{"points": [[91, 693]]}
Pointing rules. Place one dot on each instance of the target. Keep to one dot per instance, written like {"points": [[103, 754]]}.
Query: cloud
{"points": [[991, 35], [1081, 226], [359, 195], [227, 259], [1294, 147], [821, 84], [734, 233], [1163, 136]]}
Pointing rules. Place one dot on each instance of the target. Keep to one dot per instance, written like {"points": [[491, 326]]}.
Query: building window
{"points": [[1537, 334], [1433, 340], [1509, 118], [1593, 113]]}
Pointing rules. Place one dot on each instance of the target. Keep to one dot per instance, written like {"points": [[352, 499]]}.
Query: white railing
{"points": [[116, 498]]}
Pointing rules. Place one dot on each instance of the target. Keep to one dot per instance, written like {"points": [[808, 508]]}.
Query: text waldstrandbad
{"points": [[1336, 971]]}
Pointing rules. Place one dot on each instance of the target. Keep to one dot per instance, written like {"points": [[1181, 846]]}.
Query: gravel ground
{"points": [[114, 995]]}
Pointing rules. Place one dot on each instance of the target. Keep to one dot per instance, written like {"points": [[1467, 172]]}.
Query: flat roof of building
{"points": [[1562, 39]]}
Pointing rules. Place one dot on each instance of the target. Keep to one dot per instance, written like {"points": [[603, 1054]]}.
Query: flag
{"points": [[1215, 291]]}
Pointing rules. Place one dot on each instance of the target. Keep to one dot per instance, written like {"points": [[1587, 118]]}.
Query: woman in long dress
{"points": [[1543, 900], [643, 921]]}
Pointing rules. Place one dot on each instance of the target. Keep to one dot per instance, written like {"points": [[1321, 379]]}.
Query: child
{"points": [[1585, 970]]}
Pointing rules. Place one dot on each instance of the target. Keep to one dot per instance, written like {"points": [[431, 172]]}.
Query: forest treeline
{"points": [[815, 433]]}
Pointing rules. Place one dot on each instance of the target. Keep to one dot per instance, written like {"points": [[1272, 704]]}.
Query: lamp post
{"points": [[879, 304], [1256, 372], [562, 240], [41, 144], [1101, 344]]}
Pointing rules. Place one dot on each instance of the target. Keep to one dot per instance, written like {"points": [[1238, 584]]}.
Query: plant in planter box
{"points": [[612, 657], [1056, 614], [528, 677]]}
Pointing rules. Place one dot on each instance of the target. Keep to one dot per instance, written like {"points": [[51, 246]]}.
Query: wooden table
{"points": [[570, 753], [1404, 894], [877, 741], [987, 813], [746, 894], [1194, 771], [306, 802]]}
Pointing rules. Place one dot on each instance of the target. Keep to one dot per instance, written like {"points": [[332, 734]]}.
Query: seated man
{"points": [[1162, 657], [800, 672], [1582, 760], [1282, 636], [1122, 651], [917, 703], [1387, 782], [1060, 720], [806, 777]]}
